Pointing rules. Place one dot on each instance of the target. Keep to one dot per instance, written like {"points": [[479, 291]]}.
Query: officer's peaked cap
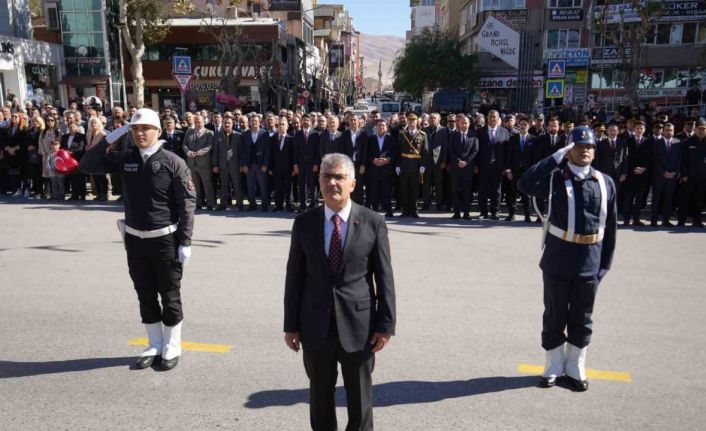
{"points": [[147, 117], [583, 135]]}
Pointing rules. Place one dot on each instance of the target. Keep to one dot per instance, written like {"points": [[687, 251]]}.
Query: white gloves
{"points": [[117, 134], [561, 153], [184, 255], [422, 169], [398, 170]]}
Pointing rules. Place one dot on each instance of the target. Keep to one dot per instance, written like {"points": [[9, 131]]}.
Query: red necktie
{"points": [[335, 251]]}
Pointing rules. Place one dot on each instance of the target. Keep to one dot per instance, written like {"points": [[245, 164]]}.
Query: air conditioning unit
{"points": [[51, 16]]}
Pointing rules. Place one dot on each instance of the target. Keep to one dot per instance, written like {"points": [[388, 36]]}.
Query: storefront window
{"points": [[82, 28], [42, 83]]}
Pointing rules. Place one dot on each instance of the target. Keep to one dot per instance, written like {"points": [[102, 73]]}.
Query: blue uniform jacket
{"points": [[562, 257]]}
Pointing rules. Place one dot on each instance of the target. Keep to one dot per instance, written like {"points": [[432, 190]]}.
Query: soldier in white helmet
{"points": [[159, 217]]}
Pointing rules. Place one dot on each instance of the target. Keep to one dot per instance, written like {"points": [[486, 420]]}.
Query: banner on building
{"points": [[608, 55], [671, 11], [566, 15], [500, 40]]}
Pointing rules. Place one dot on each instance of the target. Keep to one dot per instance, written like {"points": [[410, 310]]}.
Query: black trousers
{"points": [[357, 194], [514, 192], [322, 369], [101, 182], [568, 305], [433, 177], [155, 271], [662, 197], [78, 184], [461, 184], [692, 199], [306, 182], [283, 186], [489, 187], [379, 189], [635, 188], [231, 179]]}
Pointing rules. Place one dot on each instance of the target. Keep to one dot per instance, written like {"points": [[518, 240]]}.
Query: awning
{"points": [[82, 81]]}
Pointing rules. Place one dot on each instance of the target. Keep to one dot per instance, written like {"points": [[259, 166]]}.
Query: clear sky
{"points": [[381, 17]]}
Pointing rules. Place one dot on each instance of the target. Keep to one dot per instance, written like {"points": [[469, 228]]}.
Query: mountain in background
{"points": [[375, 48]]}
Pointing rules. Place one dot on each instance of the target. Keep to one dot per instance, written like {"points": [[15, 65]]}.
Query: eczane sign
{"points": [[501, 41]]}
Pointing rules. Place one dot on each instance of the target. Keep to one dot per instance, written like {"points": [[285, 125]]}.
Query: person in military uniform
{"points": [[693, 176], [412, 154], [580, 231], [159, 201]]}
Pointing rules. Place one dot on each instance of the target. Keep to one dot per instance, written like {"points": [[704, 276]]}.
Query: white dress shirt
{"points": [[328, 224], [146, 153]]}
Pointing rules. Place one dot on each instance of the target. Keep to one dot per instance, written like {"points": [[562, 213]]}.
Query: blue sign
{"points": [[556, 69], [554, 89], [182, 65], [572, 56]]}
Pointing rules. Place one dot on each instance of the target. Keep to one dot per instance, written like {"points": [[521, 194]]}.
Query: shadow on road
{"points": [[397, 393], [11, 369]]}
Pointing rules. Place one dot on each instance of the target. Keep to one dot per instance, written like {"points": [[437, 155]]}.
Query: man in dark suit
{"points": [[282, 165], [198, 144], [173, 138], [518, 160], [638, 178], [667, 164], [255, 160], [438, 137], [545, 146], [355, 142], [226, 163], [306, 163], [329, 139], [339, 298], [491, 164], [463, 149], [381, 155]]}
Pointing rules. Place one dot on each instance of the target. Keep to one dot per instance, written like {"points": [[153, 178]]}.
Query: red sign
{"points": [[183, 81]]}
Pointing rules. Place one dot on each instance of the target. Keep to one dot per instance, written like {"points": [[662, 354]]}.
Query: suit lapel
{"points": [[351, 234], [319, 237]]}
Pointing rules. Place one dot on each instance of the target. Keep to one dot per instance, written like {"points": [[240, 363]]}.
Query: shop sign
{"points": [[203, 86], [608, 55], [566, 15], [672, 11], [579, 94], [7, 48], [84, 60], [648, 93], [40, 70], [501, 41], [518, 16], [572, 56], [220, 71], [507, 82]]}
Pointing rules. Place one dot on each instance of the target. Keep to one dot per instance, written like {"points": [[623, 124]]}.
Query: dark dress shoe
{"points": [[389, 214], [698, 224], [653, 223], [221, 208], [403, 215], [456, 216], [167, 365], [626, 223], [528, 219], [510, 217], [667, 223], [494, 217], [145, 362], [484, 215], [547, 382], [467, 216], [301, 210], [638, 222], [209, 208], [538, 220], [290, 208], [577, 385]]}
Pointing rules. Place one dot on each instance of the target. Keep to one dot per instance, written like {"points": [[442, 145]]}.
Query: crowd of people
{"points": [[405, 163]]}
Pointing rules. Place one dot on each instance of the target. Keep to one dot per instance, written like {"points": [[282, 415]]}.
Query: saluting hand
{"points": [[291, 339], [379, 341]]}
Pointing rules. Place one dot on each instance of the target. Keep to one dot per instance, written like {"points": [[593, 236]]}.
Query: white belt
{"points": [[575, 237], [146, 234]]}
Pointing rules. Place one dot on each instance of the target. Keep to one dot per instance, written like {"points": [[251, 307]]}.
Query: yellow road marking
{"points": [[188, 345], [617, 376]]}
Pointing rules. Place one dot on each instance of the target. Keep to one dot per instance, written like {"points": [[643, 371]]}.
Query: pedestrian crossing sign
{"points": [[554, 89], [556, 68], [182, 65]]}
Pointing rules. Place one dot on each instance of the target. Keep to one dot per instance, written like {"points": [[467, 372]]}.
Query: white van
{"points": [[388, 108]]}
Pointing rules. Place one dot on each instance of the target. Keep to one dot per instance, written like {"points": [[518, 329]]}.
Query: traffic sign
{"points": [[554, 89], [556, 69], [182, 65], [183, 81]]}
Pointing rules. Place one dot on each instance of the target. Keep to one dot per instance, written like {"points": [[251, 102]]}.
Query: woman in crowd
{"points": [[93, 137], [48, 135], [75, 142], [15, 152], [32, 176]]}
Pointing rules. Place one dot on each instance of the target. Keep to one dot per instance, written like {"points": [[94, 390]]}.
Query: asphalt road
{"points": [[469, 313]]}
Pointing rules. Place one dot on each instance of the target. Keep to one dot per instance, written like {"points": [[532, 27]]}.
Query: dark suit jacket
{"points": [[438, 143], [458, 151], [257, 152], [174, 143], [282, 160], [306, 151], [519, 159], [362, 293], [666, 160], [488, 151], [610, 160], [329, 144], [227, 153], [361, 146], [78, 144], [544, 147], [388, 150], [639, 154]]}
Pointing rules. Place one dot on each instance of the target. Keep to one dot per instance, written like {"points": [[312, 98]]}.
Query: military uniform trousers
{"points": [[489, 180], [461, 185], [568, 305], [203, 182], [231, 180], [156, 272], [409, 185], [321, 367], [692, 198], [433, 178]]}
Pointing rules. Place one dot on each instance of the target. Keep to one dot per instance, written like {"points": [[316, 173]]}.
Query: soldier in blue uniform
{"points": [[579, 228]]}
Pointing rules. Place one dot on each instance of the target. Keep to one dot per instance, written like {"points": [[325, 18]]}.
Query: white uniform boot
{"points": [[172, 346], [155, 340], [576, 367], [553, 367]]}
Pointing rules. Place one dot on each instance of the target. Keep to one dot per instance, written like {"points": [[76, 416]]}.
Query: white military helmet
{"points": [[145, 116]]}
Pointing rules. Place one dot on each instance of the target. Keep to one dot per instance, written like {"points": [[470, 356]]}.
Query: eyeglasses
{"points": [[336, 177]]}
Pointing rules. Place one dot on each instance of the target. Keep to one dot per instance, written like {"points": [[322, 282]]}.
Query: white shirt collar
{"points": [[150, 150], [344, 213], [581, 172]]}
